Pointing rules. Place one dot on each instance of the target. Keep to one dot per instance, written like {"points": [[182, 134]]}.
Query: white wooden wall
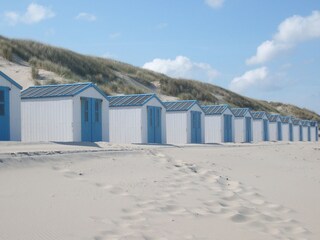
{"points": [[239, 129], [273, 131], [213, 128], [177, 127], [313, 133], [125, 125], [296, 133], [15, 109], [285, 132], [90, 93], [258, 130], [305, 134], [153, 102], [48, 119]]}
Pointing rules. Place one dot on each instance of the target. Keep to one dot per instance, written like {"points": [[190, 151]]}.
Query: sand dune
{"points": [[109, 191]]}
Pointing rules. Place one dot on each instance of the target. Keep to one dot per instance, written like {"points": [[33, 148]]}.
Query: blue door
{"points": [[279, 128], [4, 114], [195, 127], [91, 120], [300, 133], [265, 130], [154, 124], [317, 133], [309, 134], [248, 129], [227, 128], [290, 132]]}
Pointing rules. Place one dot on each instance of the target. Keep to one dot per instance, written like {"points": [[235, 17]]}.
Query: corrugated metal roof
{"points": [[240, 112], [258, 114], [273, 117], [305, 123], [296, 121], [6, 77], [214, 109], [285, 119], [130, 100], [59, 90], [183, 105]]}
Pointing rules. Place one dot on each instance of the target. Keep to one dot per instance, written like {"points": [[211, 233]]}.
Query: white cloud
{"points": [[114, 35], [249, 79], [162, 25], [214, 3], [290, 32], [86, 16], [35, 13], [182, 67]]}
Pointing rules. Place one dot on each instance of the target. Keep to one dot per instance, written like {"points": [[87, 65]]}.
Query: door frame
{"points": [[6, 133]]}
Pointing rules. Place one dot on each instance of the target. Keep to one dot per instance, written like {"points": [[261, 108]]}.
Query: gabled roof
{"points": [[285, 119], [313, 123], [305, 123], [6, 77], [296, 121], [214, 109], [274, 117], [131, 100], [59, 90], [183, 105], [240, 112], [259, 114]]}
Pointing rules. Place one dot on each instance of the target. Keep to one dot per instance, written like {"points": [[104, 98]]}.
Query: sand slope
{"points": [[151, 192]]}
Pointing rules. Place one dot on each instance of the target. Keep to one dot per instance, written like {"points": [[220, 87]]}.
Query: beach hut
{"points": [[184, 122], [137, 118], [242, 125], [219, 124], [65, 113], [260, 126], [10, 109], [297, 130], [287, 128], [314, 135], [305, 130], [275, 127]]}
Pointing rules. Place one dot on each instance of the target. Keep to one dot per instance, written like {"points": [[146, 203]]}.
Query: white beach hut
{"points": [[314, 135], [305, 130], [275, 127], [219, 124], [297, 130], [137, 118], [260, 126], [184, 122], [10, 109], [65, 113], [242, 125], [287, 128]]}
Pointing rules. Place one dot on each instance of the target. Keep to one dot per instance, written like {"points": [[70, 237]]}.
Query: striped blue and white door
{"points": [[248, 122], [300, 133], [227, 120], [4, 114], [195, 127], [265, 130], [91, 120], [290, 132], [154, 124], [279, 130]]}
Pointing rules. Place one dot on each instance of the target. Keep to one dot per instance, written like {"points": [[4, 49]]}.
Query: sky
{"points": [[267, 50]]}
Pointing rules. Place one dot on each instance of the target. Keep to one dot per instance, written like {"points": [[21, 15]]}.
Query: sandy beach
{"points": [[104, 191]]}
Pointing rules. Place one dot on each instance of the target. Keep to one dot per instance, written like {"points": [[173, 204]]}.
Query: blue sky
{"points": [[262, 49]]}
